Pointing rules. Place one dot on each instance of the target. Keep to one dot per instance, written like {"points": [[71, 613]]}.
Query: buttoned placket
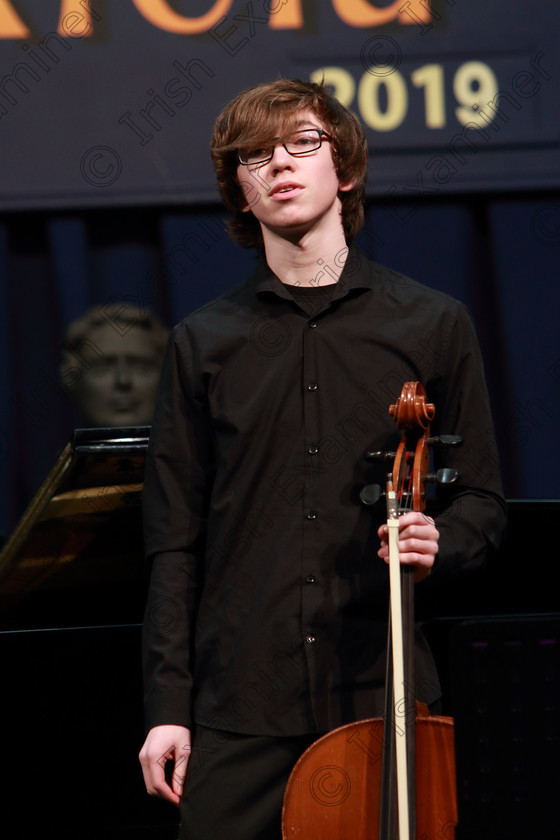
{"points": [[312, 590], [314, 585]]}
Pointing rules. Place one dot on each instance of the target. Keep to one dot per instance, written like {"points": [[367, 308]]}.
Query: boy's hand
{"points": [[418, 543], [163, 744]]}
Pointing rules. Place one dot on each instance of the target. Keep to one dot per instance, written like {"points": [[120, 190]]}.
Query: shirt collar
{"points": [[356, 275]]}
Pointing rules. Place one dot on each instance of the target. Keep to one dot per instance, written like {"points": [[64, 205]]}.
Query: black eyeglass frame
{"points": [[320, 131]]}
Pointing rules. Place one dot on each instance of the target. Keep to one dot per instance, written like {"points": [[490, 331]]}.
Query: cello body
{"points": [[333, 792]]}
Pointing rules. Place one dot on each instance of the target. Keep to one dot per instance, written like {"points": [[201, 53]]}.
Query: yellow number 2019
{"points": [[383, 98]]}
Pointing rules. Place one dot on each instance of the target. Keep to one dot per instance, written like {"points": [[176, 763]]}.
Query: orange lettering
{"points": [[11, 25], [363, 14], [159, 13], [284, 14], [75, 23]]}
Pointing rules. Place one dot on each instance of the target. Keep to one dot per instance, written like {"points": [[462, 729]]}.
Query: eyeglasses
{"points": [[299, 143]]}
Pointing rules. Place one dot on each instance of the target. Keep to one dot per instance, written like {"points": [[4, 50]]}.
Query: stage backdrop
{"points": [[112, 101], [106, 108]]}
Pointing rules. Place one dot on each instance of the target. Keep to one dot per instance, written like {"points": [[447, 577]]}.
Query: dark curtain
{"points": [[500, 254]]}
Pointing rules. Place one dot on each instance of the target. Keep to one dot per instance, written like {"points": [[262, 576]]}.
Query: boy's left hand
{"points": [[418, 542]]}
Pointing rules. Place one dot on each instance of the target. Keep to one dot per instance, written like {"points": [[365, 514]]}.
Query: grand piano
{"points": [[72, 591]]}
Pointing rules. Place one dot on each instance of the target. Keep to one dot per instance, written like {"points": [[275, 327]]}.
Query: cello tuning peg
{"points": [[443, 477], [445, 440], [370, 494], [447, 475], [380, 456]]}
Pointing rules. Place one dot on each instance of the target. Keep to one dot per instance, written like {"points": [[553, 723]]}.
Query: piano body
{"points": [[72, 592]]}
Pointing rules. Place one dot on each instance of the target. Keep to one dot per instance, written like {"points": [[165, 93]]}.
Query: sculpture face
{"points": [[119, 377]]}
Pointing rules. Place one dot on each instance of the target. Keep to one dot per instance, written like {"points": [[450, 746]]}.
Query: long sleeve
{"points": [[472, 525], [177, 485]]}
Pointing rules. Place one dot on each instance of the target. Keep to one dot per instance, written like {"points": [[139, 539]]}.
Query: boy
{"points": [[266, 620]]}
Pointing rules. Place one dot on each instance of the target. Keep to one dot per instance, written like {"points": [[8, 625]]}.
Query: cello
{"points": [[390, 778]]}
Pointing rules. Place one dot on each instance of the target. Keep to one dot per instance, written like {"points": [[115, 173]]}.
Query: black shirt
{"points": [[267, 607]]}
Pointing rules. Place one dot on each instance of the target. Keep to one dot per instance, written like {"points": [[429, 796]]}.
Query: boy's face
{"points": [[290, 195]]}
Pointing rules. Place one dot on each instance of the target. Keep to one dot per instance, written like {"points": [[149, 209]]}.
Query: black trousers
{"points": [[235, 785]]}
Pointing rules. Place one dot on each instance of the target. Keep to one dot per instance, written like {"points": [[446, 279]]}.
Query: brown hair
{"points": [[254, 117]]}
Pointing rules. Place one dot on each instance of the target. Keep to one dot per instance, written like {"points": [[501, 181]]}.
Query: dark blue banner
{"points": [[105, 102]]}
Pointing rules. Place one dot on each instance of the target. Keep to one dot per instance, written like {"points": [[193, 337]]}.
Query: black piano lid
{"points": [[125, 438], [76, 554]]}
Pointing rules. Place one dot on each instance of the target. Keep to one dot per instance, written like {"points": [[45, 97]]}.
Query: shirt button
{"points": [[310, 579], [312, 386], [312, 450], [310, 639], [312, 324], [312, 514]]}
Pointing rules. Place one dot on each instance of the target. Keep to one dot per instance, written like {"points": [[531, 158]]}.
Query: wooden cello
{"points": [[390, 778]]}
